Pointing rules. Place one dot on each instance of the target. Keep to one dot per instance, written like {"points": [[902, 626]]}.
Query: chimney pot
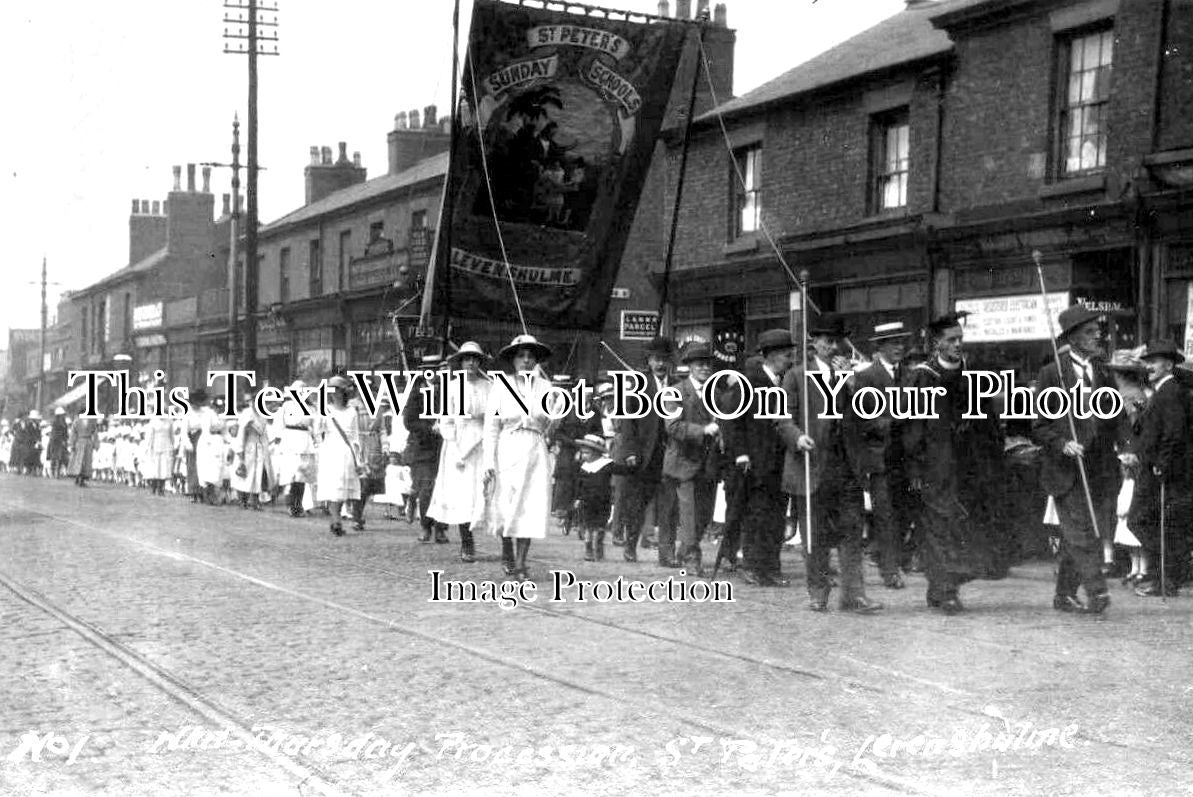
{"points": [[400, 121], [414, 125], [227, 204], [326, 156], [343, 153], [177, 178], [720, 17], [157, 207], [206, 179], [664, 8], [145, 206], [190, 178], [314, 156], [701, 9], [136, 206], [429, 114], [683, 9], [356, 159]]}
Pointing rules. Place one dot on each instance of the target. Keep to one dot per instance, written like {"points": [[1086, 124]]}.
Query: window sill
{"points": [[747, 243], [1074, 185]]}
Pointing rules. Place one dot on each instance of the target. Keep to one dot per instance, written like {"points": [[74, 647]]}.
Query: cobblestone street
{"points": [[155, 647]]}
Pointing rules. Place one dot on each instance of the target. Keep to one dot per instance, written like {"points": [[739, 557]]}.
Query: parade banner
{"points": [[561, 114]]}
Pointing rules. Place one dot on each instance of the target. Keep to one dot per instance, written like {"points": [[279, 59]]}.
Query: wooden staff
{"points": [[1060, 375], [803, 317]]}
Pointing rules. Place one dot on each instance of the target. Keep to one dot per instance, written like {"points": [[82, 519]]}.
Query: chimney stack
{"points": [[190, 178], [343, 153], [227, 205], [206, 179], [664, 8], [177, 178], [683, 9], [720, 17], [414, 139], [413, 116], [314, 155], [429, 114], [326, 152]]}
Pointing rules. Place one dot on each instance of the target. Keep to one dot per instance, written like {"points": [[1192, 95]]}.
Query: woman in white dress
{"points": [[338, 478], [157, 464], [459, 495], [209, 451], [296, 450], [253, 471], [518, 464]]}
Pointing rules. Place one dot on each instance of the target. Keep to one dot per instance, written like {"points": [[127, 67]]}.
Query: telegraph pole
{"points": [[251, 43]]}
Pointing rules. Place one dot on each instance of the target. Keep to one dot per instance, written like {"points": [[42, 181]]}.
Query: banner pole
{"points": [[683, 168], [803, 317]]}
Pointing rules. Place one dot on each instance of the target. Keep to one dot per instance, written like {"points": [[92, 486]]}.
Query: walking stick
{"points": [[1163, 576], [803, 316], [1060, 375]]}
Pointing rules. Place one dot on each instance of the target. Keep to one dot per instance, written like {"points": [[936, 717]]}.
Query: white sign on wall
{"points": [[1189, 320], [147, 316], [996, 319]]}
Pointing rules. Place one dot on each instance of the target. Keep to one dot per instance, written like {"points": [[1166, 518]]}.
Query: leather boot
{"points": [[441, 533], [523, 550], [507, 556], [426, 535], [467, 549], [599, 547], [589, 545]]}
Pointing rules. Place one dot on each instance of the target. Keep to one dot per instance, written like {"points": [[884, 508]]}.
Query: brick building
{"points": [[155, 313], [917, 166]]}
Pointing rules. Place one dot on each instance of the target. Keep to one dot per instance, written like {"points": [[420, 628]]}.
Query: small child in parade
{"points": [[594, 492]]}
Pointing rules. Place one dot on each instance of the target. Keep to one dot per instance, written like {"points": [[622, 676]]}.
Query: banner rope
{"points": [[489, 188], [741, 179]]}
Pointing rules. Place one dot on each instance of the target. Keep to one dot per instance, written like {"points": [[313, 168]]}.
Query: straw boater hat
{"points": [[59, 411], [889, 331], [604, 389], [338, 383], [541, 351], [1073, 317], [1127, 361], [470, 349], [1163, 348], [592, 441]]}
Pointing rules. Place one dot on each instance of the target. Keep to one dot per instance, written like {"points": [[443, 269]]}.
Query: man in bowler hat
{"points": [[757, 453], [1081, 546]]}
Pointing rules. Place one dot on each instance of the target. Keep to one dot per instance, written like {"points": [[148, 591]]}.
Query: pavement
{"points": [[151, 646]]}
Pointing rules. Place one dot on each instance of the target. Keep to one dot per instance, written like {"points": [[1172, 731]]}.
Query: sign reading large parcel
{"points": [[556, 135]]}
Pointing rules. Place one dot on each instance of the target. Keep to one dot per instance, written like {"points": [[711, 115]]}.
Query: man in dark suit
{"points": [[690, 461], [880, 454], [422, 452], [836, 492], [1081, 545], [640, 445], [758, 454], [1164, 459]]}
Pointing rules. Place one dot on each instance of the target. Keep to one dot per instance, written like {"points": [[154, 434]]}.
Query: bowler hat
{"points": [[832, 326], [541, 351], [773, 339], [660, 346], [891, 329], [1073, 317], [1163, 348], [947, 321], [696, 351]]}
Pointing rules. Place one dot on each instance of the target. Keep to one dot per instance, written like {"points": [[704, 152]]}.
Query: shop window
{"points": [[284, 275], [316, 267], [1085, 62]]}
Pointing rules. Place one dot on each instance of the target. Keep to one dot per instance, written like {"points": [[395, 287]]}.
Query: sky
{"points": [[103, 99]]}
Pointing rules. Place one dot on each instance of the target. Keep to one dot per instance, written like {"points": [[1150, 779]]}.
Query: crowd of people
{"points": [[923, 494]]}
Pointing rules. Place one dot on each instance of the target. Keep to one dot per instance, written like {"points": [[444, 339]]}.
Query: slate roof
{"points": [[144, 264], [903, 38], [434, 166]]}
